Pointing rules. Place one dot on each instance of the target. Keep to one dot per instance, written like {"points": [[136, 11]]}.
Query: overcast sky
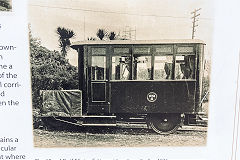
{"points": [[153, 19]]}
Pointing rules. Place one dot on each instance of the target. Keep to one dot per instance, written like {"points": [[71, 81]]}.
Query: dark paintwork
{"points": [[130, 96], [172, 97]]}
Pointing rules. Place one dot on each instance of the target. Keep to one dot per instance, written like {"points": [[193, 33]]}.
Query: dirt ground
{"points": [[124, 136], [119, 137]]}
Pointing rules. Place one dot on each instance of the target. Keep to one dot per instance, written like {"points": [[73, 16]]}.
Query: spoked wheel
{"points": [[164, 123]]}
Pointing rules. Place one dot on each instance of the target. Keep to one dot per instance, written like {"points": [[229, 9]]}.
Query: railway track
{"points": [[200, 128], [128, 135], [137, 129], [131, 129]]}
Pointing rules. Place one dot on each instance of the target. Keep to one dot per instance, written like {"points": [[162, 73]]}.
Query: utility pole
{"points": [[195, 15]]}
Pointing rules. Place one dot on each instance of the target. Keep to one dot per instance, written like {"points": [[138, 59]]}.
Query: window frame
{"points": [[109, 54], [150, 54], [90, 57], [171, 53], [193, 53], [112, 54]]}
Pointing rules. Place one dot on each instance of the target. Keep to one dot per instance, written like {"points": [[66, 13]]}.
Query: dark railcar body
{"points": [[109, 96], [155, 82], [172, 97]]}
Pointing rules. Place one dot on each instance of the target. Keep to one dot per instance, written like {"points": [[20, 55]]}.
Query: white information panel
{"points": [[38, 40]]}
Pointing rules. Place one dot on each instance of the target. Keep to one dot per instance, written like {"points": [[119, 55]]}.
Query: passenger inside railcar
{"points": [[184, 68], [142, 67], [121, 67]]}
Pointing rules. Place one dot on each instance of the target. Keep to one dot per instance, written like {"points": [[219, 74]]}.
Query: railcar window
{"points": [[185, 49], [164, 49], [184, 68], [121, 67], [98, 68], [120, 50], [163, 67], [142, 50], [98, 51], [141, 67]]}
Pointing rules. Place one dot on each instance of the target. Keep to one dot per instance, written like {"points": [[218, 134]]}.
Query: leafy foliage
{"points": [[101, 33], [50, 71], [205, 89], [112, 36], [206, 80], [91, 39], [64, 36]]}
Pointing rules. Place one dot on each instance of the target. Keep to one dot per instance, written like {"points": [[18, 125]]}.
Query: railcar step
{"points": [[137, 118], [97, 116], [122, 125], [133, 122], [91, 124]]}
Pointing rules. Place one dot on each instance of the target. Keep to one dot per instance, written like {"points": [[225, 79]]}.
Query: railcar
{"points": [[154, 82]]}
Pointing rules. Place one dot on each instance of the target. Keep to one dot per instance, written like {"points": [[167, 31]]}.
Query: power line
{"points": [[112, 12]]}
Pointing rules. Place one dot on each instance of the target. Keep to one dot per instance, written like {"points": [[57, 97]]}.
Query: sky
{"points": [[152, 19]]}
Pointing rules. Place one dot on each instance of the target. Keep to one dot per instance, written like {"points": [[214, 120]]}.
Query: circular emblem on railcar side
{"points": [[152, 97]]}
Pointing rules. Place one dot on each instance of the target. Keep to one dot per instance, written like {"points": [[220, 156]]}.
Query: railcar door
{"points": [[98, 89]]}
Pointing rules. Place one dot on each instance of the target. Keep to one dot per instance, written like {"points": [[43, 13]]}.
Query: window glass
{"points": [[121, 50], [98, 67], [98, 51], [185, 49], [121, 67], [184, 68], [164, 49], [142, 50], [163, 67], [142, 67]]}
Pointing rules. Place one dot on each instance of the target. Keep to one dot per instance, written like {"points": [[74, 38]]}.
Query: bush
{"points": [[50, 71], [37, 122], [205, 89]]}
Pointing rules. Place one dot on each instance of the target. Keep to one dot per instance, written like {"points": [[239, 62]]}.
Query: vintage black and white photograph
{"points": [[5, 5], [129, 73]]}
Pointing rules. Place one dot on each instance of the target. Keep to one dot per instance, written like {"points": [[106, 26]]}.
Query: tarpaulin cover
{"points": [[64, 103]]}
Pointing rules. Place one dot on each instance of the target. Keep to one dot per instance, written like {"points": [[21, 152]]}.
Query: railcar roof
{"points": [[125, 42]]}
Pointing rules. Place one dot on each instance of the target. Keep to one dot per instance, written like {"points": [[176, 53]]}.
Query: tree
{"points": [[49, 71], [112, 36], [91, 39], [101, 33], [64, 36]]}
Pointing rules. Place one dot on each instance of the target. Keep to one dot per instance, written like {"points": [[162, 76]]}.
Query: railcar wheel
{"points": [[164, 123]]}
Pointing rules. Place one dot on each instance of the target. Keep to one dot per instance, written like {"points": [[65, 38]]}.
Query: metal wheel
{"points": [[164, 123]]}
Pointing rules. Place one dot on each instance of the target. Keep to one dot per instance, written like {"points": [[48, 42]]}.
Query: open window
{"points": [[185, 63], [142, 63], [163, 67], [184, 68], [121, 67], [141, 67], [163, 62]]}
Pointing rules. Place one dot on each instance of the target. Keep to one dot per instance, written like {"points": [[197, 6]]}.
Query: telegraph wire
{"points": [[112, 12]]}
